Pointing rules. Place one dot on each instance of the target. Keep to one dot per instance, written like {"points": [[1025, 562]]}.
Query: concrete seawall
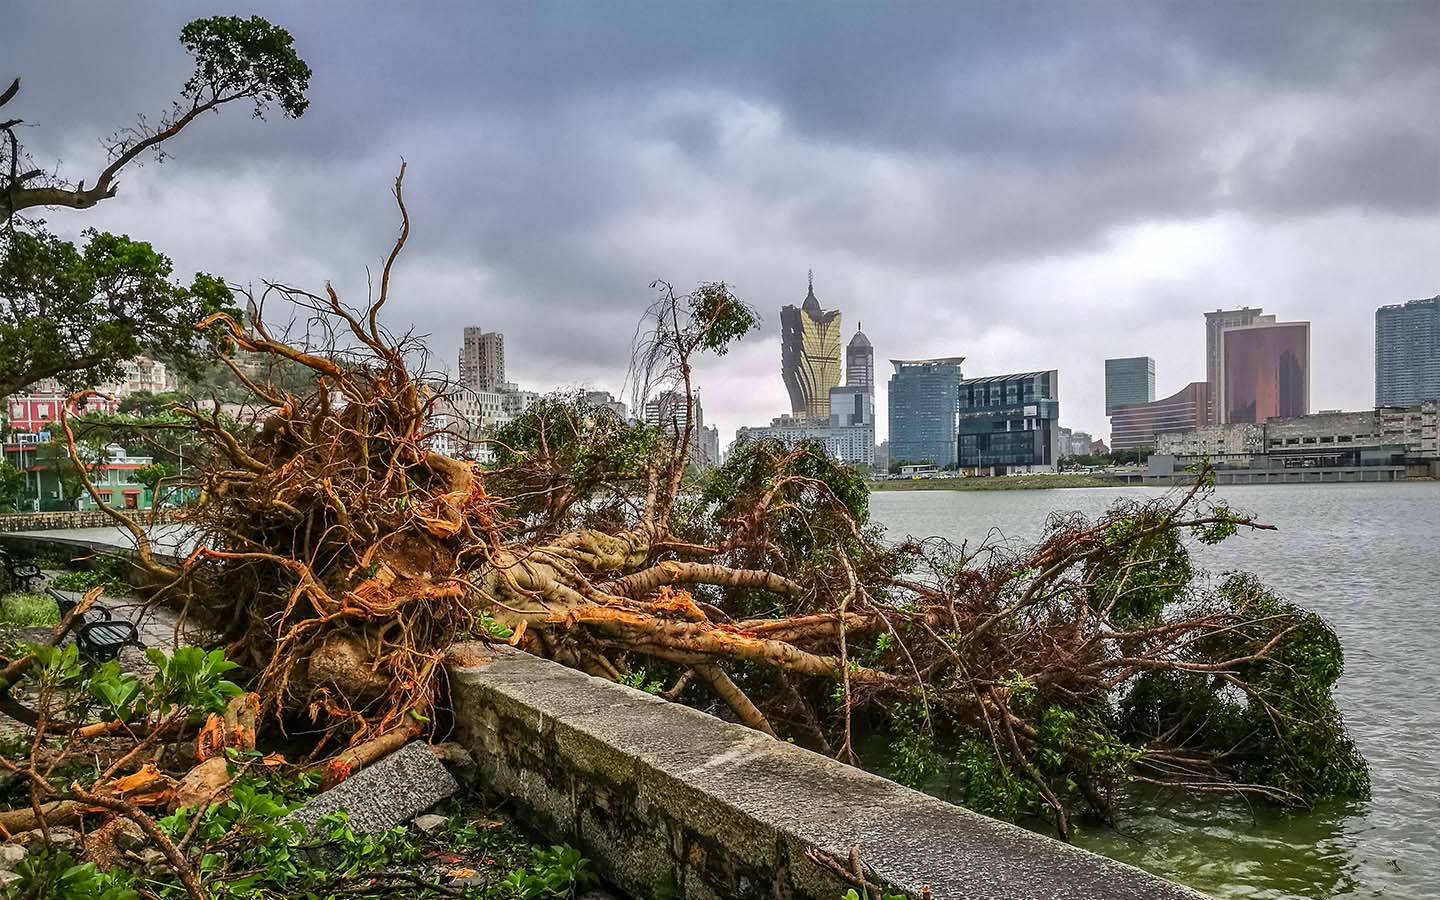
{"points": [[48, 521], [663, 797]]}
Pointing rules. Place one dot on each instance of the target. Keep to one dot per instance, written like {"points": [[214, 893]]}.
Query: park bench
{"points": [[98, 634], [19, 574]]}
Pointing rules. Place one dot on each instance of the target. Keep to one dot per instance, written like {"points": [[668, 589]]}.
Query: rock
{"points": [[179, 756], [128, 836], [11, 856], [151, 860], [430, 824], [343, 663], [459, 761], [387, 794], [6, 879], [203, 784], [100, 845], [61, 838]]}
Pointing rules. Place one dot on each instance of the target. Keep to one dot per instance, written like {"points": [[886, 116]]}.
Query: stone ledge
{"points": [[659, 793], [86, 518]]}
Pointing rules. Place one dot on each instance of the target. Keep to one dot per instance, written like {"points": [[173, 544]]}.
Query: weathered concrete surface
{"points": [[77, 519], [172, 541], [656, 793], [391, 792]]}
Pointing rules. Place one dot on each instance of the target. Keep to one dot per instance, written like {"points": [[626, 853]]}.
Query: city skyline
{"points": [[951, 194]]}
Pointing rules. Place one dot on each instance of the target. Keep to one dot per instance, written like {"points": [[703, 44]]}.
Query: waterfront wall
{"points": [[1347, 475], [52, 521], [663, 797]]}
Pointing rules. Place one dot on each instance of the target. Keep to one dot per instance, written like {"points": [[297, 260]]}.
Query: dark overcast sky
{"points": [[1029, 185]]}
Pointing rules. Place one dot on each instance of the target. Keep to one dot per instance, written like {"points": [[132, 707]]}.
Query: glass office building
{"points": [[924, 401], [1008, 422], [1129, 381], [1407, 353]]}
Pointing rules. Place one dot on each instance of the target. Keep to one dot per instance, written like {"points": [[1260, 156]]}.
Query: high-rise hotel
{"points": [[810, 356]]}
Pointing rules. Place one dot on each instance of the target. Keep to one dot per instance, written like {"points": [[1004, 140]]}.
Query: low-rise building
{"points": [[462, 417], [1224, 445], [37, 411], [141, 375], [1390, 436], [854, 444], [44, 489], [1416, 427], [1008, 423], [1136, 425], [606, 400]]}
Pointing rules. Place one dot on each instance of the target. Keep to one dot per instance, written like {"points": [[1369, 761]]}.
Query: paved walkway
{"points": [[172, 539]]}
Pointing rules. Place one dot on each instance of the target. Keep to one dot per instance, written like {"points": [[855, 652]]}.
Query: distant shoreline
{"points": [[999, 483]]}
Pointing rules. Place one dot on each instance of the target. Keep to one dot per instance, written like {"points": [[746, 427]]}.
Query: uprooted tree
{"points": [[339, 556]]}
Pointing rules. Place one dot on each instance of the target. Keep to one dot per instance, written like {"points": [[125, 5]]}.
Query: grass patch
{"points": [[23, 610]]}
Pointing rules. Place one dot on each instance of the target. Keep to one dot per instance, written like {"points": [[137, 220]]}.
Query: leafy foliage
{"points": [[108, 570], [12, 483], [557, 871], [817, 503], [562, 450], [57, 876], [1281, 699], [863, 894], [191, 678], [250, 58], [77, 313]]}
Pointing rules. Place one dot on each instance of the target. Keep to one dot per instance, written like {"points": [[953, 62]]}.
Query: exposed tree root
{"points": [[341, 556]]}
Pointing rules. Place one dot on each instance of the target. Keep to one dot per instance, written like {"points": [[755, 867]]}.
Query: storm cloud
{"points": [[1027, 185]]}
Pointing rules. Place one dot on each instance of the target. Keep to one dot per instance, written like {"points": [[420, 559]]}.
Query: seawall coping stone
{"points": [[632, 778]]}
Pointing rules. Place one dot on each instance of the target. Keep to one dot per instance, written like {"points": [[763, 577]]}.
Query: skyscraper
{"points": [[854, 402], [1264, 371], [1129, 380], [1407, 352], [860, 361], [482, 359], [1216, 322], [810, 355], [924, 403]]}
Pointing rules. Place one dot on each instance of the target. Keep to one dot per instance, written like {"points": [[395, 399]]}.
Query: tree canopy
{"points": [[235, 60], [77, 313]]}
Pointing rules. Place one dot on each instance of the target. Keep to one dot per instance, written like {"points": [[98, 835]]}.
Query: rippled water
{"points": [[1367, 557]]}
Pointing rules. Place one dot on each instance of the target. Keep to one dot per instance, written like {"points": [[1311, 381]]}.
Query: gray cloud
{"points": [[1089, 176]]}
